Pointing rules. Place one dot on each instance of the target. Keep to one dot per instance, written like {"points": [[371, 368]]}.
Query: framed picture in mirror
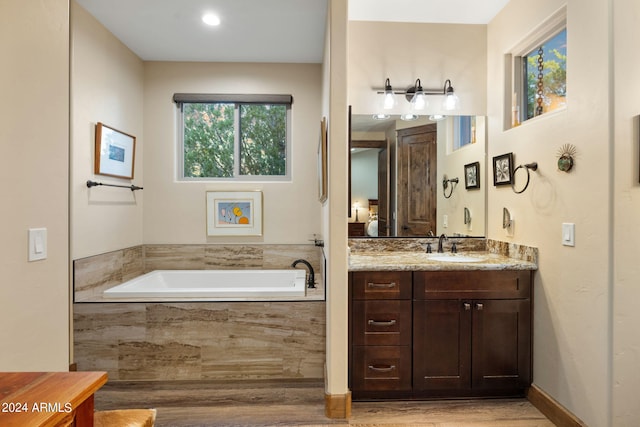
{"points": [[503, 169], [472, 175]]}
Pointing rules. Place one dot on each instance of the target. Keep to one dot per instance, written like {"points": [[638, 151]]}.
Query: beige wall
{"points": [[107, 86], [174, 211], [572, 295], [404, 52], [452, 164], [626, 196], [34, 136]]}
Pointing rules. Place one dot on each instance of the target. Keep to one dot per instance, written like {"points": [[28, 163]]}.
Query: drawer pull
{"points": [[479, 306], [381, 285], [385, 368], [381, 323], [467, 306]]}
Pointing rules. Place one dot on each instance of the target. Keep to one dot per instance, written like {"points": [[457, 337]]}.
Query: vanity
{"points": [[439, 325]]}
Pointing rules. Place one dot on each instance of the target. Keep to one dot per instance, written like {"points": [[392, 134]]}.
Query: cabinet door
{"points": [[501, 344], [442, 344]]}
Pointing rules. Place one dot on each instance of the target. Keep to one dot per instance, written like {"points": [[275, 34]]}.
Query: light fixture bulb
{"points": [[451, 101], [419, 101], [211, 19], [389, 99]]}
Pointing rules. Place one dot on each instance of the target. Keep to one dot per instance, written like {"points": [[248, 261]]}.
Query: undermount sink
{"points": [[454, 258]]}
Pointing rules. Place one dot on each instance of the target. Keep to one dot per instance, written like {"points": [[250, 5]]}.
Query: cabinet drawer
{"points": [[382, 322], [381, 285], [500, 284], [381, 368]]}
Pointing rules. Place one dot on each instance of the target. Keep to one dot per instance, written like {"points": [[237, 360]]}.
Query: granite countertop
{"points": [[420, 261]]}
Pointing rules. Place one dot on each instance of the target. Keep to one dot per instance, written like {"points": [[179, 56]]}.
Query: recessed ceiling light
{"points": [[211, 19]]}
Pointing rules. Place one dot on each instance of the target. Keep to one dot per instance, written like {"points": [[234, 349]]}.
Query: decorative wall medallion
{"points": [[567, 152]]}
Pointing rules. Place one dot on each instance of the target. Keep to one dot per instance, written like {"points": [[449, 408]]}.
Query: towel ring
{"points": [[529, 166]]}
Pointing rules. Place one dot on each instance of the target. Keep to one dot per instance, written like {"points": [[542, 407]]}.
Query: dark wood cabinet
{"points": [[381, 331], [356, 229], [468, 333]]}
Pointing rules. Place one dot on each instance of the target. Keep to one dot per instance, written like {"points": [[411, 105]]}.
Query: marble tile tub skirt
{"points": [[196, 341]]}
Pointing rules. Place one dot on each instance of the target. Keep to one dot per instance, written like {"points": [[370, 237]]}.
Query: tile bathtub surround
{"points": [[93, 275], [196, 341]]}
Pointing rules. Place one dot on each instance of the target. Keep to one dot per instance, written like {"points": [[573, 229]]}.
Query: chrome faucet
{"points": [[311, 281], [440, 239]]}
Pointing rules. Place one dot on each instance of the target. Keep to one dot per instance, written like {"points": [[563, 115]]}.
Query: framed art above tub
{"points": [[234, 213]]}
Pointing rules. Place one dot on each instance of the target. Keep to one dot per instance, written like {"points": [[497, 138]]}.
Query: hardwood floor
{"points": [[301, 403]]}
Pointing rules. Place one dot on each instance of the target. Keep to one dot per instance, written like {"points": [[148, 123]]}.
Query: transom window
{"points": [[545, 82], [234, 137], [539, 72]]}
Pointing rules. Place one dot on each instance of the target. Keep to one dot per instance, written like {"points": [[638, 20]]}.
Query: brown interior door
{"points": [[417, 155]]}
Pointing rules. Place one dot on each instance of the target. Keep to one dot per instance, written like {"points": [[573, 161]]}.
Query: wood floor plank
{"points": [[301, 403]]}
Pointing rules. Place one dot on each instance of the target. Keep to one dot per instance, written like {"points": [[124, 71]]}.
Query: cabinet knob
{"points": [[479, 306], [467, 306]]}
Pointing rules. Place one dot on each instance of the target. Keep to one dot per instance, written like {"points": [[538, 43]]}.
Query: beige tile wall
{"points": [[192, 341]]}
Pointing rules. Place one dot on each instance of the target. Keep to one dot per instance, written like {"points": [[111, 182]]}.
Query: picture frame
{"points": [[115, 152], [234, 213], [503, 169], [472, 175], [322, 162]]}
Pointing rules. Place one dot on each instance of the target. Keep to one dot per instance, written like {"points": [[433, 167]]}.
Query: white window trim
{"points": [[514, 72]]}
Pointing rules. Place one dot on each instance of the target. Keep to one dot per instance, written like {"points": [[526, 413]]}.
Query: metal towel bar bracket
{"points": [[130, 187]]}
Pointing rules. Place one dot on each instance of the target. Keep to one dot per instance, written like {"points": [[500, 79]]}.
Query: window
{"points": [[545, 76], [234, 137], [464, 129], [539, 71]]}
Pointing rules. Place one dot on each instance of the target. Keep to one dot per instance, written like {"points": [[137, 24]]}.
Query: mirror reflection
{"points": [[418, 178]]}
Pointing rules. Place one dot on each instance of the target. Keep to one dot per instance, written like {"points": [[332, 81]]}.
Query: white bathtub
{"points": [[212, 285]]}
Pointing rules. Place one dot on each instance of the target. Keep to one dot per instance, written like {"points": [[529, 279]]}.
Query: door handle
{"points": [[467, 306], [479, 306]]}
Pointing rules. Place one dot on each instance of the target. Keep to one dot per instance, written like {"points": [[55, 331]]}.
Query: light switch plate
{"points": [[568, 234], [37, 244]]}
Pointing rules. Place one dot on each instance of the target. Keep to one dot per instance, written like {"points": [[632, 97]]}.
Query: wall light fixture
{"points": [[416, 96]]}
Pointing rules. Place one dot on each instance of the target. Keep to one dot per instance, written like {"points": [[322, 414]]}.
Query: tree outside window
{"points": [[554, 75], [232, 140]]}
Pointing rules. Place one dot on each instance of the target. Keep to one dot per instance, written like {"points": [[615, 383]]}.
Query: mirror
{"points": [[416, 178]]}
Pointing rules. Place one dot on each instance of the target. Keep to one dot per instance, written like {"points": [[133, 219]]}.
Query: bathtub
{"points": [[212, 285]]}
